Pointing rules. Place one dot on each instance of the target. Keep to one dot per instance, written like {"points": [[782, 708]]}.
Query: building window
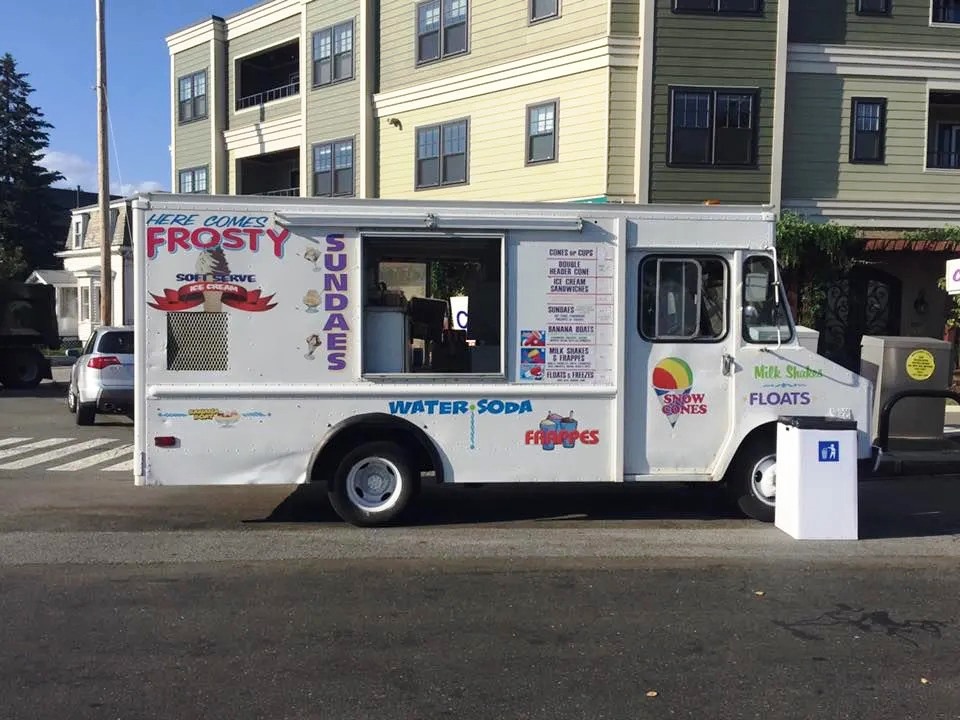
{"points": [[441, 29], [90, 303], [442, 154], [868, 126], [683, 299], [193, 96], [544, 9], [193, 180], [873, 7], [76, 234], [713, 128], [542, 133], [732, 7], [333, 168], [333, 54], [946, 11]]}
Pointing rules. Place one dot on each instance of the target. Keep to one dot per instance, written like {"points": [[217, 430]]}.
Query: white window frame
{"points": [[77, 232], [194, 173]]}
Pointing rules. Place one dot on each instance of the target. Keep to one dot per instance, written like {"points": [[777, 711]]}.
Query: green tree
{"points": [[28, 231]]}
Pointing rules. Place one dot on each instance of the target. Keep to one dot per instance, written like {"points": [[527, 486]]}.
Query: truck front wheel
{"points": [[373, 484], [752, 479]]}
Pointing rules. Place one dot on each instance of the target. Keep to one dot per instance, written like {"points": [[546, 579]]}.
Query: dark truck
{"points": [[28, 323]]}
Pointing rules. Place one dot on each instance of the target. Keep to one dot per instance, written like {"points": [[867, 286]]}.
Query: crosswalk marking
{"points": [[23, 453], [11, 441], [55, 454], [102, 457], [37, 445], [125, 466]]}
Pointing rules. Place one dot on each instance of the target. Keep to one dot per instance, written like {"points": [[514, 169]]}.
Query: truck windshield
{"points": [[764, 320]]}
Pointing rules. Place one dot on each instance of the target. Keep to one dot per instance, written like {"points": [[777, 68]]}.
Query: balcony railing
{"points": [[285, 192], [277, 93], [943, 160]]}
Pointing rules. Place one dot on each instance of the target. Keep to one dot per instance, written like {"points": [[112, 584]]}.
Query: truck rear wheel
{"points": [[373, 484], [752, 479], [22, 369]]}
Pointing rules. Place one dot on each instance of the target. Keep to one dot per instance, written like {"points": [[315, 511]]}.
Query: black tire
{"points": [[745, 478], [86, 413], [353, 490], [71, 402], [22, 370]]}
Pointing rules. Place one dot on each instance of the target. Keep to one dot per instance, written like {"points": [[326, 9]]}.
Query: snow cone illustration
{"points": [[212, 264], [672, 380]]}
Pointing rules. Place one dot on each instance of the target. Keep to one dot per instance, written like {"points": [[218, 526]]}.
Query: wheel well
{"points": [[374, 427], [761, 433]]}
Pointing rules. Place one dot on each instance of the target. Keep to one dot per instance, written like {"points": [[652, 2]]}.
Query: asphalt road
{"points": [[250, 602]]}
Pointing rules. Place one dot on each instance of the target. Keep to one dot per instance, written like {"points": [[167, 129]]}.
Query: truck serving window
{"points": [[432, 305], [683, 299], [764, 321]]}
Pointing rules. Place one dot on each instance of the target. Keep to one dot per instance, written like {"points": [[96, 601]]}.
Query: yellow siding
{"points": [[498, 31], [496, 168], [623, 133], [333, 111], [276, 34]]}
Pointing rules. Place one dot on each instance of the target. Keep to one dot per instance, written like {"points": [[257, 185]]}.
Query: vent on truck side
{"points": [[198, 341]]}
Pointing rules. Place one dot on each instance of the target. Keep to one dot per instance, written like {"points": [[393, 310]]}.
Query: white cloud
{"points": [[77, 170]]}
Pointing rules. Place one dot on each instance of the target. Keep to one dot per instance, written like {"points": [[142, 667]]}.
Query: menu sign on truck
{"points": [[567, 336]]}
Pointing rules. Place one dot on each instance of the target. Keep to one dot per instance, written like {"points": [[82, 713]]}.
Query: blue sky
{"points": [[54, 42]]}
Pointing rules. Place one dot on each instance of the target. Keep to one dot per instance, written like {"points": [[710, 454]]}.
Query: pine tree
{"points": [[27, 230]]}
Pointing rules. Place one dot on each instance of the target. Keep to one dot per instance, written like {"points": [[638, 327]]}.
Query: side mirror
{"points": [[73, 353]]}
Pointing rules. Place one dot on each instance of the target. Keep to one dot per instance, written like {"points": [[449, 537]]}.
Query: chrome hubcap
{"points": [[764, 480], [374, 484]]}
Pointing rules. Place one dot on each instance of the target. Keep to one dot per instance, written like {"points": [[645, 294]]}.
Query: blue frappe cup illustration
{"points": [[548, 428], [568, 430]]}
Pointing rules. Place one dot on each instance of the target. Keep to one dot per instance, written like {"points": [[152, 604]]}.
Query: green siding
{"points": [[836, 22], [333, 111], [816, 156], [192, 139], [276, 34], [909, 25], [712, 51], [818, 21], [625, 17]]}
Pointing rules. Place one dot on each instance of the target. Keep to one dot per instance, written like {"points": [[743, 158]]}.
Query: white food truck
{"points": [[366, 344]]}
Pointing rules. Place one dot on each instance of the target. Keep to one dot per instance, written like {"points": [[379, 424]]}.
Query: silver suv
{"points": [[101, 380]]}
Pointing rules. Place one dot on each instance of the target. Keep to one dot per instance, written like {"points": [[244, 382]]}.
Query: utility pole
{"points": [[103, 173]]}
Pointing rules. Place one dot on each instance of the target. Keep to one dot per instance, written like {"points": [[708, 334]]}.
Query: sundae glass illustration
{"points": [[672, 379], [312, 255], [312, 300], [313, 342], [210, 264], [227, 418], [550, 426]]}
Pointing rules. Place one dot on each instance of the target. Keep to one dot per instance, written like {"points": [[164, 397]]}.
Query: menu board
{"points": [[566, 321]]}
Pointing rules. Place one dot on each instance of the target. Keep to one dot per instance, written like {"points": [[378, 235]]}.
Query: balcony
{"points": [[275, 174], [273, 74], [943, 131]]}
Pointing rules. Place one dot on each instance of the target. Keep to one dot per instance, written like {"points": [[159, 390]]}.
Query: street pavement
{"points": [[257, 602]]}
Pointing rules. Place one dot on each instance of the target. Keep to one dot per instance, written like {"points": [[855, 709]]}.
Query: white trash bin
{"points": [[817, 487]]}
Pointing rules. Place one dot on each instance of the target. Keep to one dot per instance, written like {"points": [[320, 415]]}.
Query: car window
{"points": [[88, 345], [116, 342]]}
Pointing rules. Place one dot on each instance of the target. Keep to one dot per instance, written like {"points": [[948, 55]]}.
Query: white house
{"points": [[78, 284]]}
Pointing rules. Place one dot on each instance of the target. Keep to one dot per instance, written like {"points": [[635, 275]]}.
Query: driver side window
{"points": [[683, 299]]}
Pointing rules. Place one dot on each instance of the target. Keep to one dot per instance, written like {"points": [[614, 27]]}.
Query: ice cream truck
{"points": [[374, 345]]}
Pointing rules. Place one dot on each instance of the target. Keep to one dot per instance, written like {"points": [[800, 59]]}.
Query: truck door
{"points": [[678, 362]]}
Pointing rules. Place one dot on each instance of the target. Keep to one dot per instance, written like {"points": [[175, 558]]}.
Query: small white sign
{"points": [[459, 306], [953, 276]]}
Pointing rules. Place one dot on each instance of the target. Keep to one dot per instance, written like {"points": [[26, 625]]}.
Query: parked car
{"points": [[101, 380]]}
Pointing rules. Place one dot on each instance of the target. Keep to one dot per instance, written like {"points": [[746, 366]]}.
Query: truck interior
{"points": [[409, 322]]}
